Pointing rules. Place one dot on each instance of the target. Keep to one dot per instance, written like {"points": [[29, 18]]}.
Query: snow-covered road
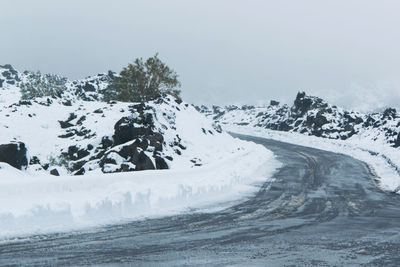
{"points": [[321, 209]]}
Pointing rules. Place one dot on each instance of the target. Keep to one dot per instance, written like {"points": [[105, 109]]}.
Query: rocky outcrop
{"points": [[312, 116], [14, 154], [129, 128], [136, 143]]}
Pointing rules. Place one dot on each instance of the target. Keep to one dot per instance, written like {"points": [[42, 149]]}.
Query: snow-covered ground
{"points": [[40, 204], [383, 158]]}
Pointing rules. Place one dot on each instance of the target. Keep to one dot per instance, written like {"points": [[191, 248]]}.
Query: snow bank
{"points": [[383, 159], [40, 204]]}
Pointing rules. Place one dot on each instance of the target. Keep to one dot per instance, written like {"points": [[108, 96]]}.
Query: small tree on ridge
{"points": [[143, 81]]}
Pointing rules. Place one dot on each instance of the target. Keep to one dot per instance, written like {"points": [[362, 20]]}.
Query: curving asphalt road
{"points": [[323, 209]]}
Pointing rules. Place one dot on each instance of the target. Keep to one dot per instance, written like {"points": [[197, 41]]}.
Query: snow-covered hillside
{"points": [[77, 133], [74, 132], [311, 121]]}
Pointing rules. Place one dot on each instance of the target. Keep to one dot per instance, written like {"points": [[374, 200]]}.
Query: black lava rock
{"points": [[54, 172], [14, 154]]}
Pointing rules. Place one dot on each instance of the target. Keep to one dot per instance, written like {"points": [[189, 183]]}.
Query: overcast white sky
{"points": [[225, 51]]}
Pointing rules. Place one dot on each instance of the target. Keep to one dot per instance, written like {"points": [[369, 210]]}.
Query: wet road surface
{"points": [[323, 209]]}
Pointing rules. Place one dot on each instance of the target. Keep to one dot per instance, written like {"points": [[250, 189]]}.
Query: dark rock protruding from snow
{"points": [[143, 162], [54, 172], [127, 129], [14, 154], [137, 142], [274, 103]]}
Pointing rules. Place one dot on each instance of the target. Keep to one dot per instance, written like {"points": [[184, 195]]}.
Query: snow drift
{"points": [[46, 203]]}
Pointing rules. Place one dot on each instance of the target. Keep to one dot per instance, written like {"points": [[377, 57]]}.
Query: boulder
{"points": [[65, 124], [128, 151], [54, 172], [14, 154], [142, 162], [127, 129], [160, 163]]}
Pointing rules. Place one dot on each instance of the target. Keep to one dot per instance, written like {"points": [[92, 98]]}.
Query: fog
{"points": [[225, 51]]}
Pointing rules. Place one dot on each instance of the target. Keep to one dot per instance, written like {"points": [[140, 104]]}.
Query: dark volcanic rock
{"points": [[135, 154], [67, 103], [142, 162], [76, 153], [135, 145], [88, 87], [369, 121], [108, 159], [302, 103], [128, 151], [129, 128], [160, 163], [65, 124], [397, 141], [25, 102], [80, 172], [54, 172], [106, 142], [389, 113], [14, 154], [274, 103], [283, 126], [320, 120], [34, 160]]}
